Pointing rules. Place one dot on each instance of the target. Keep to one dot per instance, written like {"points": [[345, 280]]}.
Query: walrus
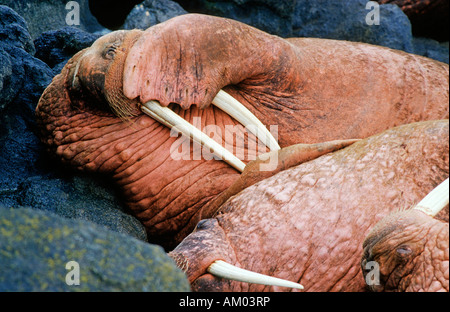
{"points": [[311, 90], [311, 224], [409, 248]]}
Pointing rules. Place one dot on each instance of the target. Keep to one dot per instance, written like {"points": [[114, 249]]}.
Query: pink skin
{"points": [[307, 224], [89, 116]]}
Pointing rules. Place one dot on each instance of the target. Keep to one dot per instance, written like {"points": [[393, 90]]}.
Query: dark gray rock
{"points": [[272, 16], [152, 12], [7, 89], [56, 47], [27, 175], [79, 197], [347, 21], [36, 247], [23, 80], [14, 29], [14, 39], [23, 77], [45, 15]]}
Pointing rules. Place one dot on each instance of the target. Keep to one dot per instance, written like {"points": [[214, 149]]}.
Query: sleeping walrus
{"points": [[313, 90]]}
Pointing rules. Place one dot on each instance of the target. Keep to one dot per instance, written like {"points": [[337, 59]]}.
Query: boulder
{"points": [[45, 252], [432, 49], [56, 47], [347, 21], [45, 15], [152, 12], [22, 77], [14, 29], [272, 16], [15, 43]]}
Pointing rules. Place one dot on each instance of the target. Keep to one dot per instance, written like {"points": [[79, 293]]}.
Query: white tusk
{"points": [[223, 269], [232, 107], [435, 201], [170, 119]]}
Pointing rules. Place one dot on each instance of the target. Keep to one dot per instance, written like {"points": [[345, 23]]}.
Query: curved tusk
{"points": [[170, 119], [232, 107], [435, 201], [223, 269], [229, 105]]}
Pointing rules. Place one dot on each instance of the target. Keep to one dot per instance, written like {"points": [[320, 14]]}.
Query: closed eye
{"points": [[110, 52]]}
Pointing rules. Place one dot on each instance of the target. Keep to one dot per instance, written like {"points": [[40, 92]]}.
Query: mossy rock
{"points": [[35, 249]]}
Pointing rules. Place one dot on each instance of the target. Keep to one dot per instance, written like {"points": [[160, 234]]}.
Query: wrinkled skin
{"points": [[307, 224], [314, 90], [411, 250]]}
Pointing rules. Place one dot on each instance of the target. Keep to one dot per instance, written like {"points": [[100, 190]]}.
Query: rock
{"points": [[334, 20], [20, 71], [56, 47], [14, 29], [36, 247], [45, 15], [7, 89], [27, 175], [79, 197], [432, 49], [152, 12], [15, 43], [272, 16]]}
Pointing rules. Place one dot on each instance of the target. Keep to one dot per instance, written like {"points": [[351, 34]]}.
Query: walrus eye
{"points": [[404, 252], [110, 52]]}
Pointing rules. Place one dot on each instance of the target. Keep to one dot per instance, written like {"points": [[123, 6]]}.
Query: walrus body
{"points": [[312, 90], [307, 224]]}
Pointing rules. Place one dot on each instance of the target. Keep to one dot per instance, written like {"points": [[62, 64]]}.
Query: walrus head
{"points": [[112, 78], [88, 120], [97, 72]]}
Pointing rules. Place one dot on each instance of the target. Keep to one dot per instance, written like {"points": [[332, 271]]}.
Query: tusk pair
{"points": [[435, 201], [228, 104], [223, 269]]}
